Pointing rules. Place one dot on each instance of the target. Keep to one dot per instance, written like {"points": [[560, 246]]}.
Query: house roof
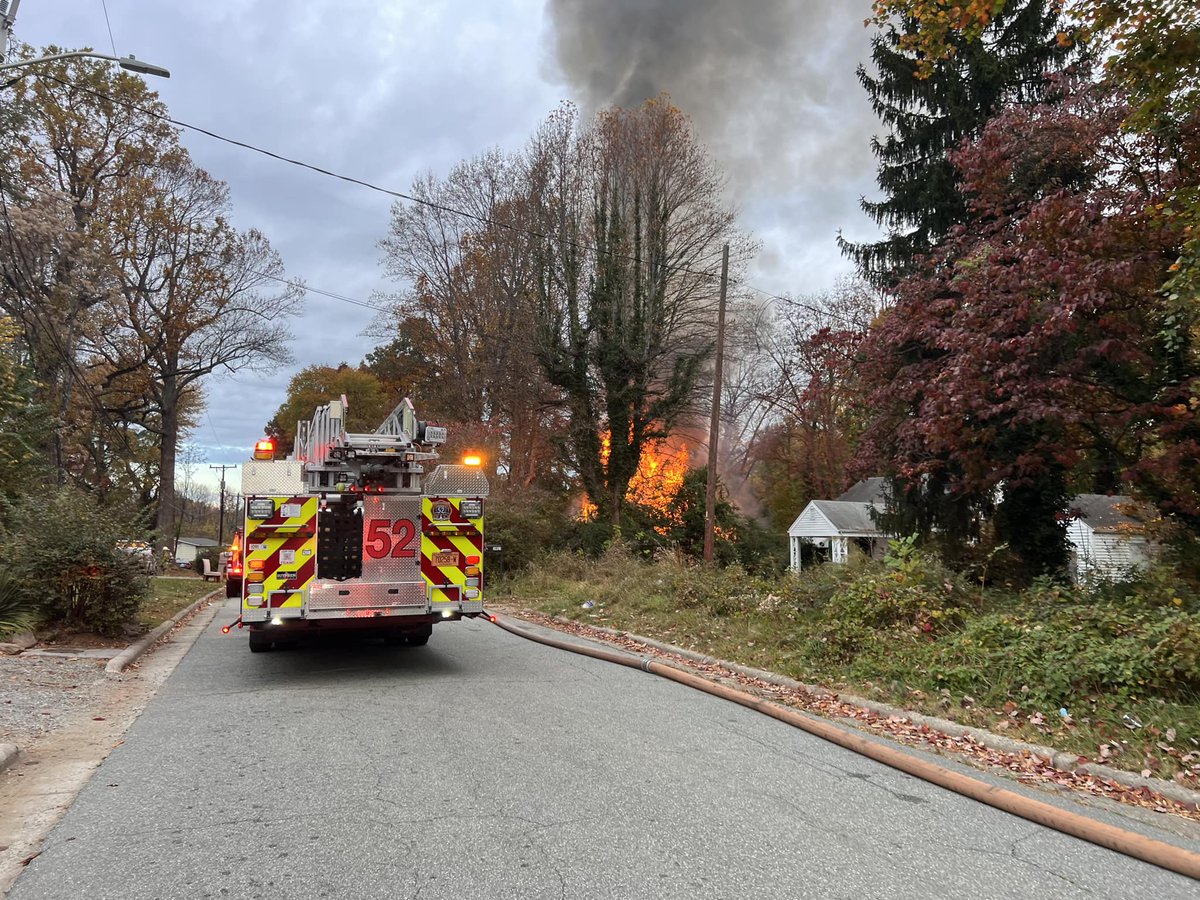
{"points": [[198, 542], [1104, 513], [834, 518], [848, 517], [869, 490]]}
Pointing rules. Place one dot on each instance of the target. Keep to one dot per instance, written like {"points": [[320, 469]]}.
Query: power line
{"points": [[304, 286], [484, 220], [400, 195], [104, 5], [212, 426]]}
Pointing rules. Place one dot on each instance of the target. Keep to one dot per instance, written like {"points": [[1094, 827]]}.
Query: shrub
{"points": [[910, 594], [1159, 586], [720, 592], [62, 552], [17, 611], [1056, 646], [529, 526]]}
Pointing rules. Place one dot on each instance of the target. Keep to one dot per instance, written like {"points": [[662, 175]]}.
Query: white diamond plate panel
{"points": [[277, 477], [456, 481], [356, 595], [391, 538]]}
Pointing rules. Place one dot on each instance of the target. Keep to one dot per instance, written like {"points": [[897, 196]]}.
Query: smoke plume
{"points": [[769, 84]]}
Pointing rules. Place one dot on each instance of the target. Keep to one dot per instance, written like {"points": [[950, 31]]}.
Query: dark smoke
{"points": [[769, 84]]}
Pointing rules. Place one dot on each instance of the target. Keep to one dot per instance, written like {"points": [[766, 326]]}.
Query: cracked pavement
{"points": [[483, 765]]}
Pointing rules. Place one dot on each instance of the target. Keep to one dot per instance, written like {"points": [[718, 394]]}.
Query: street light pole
{"points": [[8, 15], [131, 62]]}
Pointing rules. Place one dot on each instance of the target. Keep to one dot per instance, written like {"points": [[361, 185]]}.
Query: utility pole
{"points": [[714, 431], [221, 525]]}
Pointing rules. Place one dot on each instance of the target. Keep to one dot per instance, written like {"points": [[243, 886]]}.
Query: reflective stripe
{"points": [[449, 534], [284, 545]]}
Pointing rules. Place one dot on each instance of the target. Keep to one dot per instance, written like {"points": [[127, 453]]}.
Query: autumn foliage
{"points": [[1035, 348]]}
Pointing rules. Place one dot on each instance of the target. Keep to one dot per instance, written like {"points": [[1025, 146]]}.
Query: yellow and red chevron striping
{"points": [[285, 595], [294, 543], [281, 553], [455, 522], [462, 545], [277, 519]]}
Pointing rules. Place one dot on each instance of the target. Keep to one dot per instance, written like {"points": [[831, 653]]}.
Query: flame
{"points": [[587, 509], [658, 480]]}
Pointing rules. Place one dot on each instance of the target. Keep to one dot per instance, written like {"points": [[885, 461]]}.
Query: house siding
{"points": [[1104, 555], [812, 524], [186, 551]]}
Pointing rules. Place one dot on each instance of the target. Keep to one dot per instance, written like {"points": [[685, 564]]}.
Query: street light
{"points": [[132, 63]]}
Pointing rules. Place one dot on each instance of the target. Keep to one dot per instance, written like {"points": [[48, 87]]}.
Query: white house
{"points": [[186, 548], [1107, 535], [836, 524]]}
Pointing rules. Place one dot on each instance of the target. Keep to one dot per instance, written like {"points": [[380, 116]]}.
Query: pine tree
{"points": [[929, 116]]}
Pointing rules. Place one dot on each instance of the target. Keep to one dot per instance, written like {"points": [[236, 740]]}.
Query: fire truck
{"points": [[358, 532]]}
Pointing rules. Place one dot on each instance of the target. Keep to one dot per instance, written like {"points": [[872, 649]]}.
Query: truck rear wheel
{"points": [[259, 643], [418, 638], [403, 637], [233, 587]]}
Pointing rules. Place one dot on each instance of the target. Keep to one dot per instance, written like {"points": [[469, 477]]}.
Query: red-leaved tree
{"points": [[1035, 356]]}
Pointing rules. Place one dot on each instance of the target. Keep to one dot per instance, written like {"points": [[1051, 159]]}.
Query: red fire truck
{"points": [[358, 531]]}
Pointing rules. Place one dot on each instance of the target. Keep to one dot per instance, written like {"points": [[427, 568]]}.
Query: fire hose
{"points": [[1138, 846]]}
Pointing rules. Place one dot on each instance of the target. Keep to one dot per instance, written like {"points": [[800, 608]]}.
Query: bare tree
{"points": [[632, 218], [806, 399], [464, 256], [70, 152], [195, 297]]}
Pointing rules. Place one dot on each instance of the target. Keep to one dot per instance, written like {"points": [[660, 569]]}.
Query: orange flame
{"points": [[657, 482]]}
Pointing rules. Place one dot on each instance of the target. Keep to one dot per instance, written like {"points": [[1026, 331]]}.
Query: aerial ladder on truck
{"points": [[360, 532]]}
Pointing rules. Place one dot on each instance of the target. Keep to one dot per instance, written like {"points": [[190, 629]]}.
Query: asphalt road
{"points": [[487, 766]]}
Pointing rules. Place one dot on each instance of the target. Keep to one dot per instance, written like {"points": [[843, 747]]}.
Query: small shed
{"points": [[837, 524], [187, 548], [1107, 535]]}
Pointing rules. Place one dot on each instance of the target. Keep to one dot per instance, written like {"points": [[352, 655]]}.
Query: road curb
{"points": [[1059, 759], [121, 661], [8, 755]]}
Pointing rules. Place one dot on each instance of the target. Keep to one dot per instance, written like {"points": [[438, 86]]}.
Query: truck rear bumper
{"points": [[296, 627]]}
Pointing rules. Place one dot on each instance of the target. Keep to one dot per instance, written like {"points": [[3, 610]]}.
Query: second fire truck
{"points": [[358, 531]]}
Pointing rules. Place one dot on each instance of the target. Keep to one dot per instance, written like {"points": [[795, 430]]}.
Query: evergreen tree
{"points": [[929, 116]]}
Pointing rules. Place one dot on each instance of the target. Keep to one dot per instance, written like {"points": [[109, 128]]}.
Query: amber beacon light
{"points": [[264, 449]]}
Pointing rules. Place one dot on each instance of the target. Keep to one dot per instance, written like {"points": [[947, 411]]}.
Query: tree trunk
{"points": [[55, 393], [166, 458], [615, 496]]}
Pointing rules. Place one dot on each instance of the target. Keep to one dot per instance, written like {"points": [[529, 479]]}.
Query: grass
{"points": [[1113, 678], [170, 595]]}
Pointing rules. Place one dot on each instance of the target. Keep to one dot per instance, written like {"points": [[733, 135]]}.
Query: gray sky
{"points": [[385, 89]]}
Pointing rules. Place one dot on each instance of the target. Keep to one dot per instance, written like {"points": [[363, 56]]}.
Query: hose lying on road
{"points": [[1168, 856]]}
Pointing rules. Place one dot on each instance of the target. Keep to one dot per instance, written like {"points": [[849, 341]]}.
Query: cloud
{"points": [[386, 90]]}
